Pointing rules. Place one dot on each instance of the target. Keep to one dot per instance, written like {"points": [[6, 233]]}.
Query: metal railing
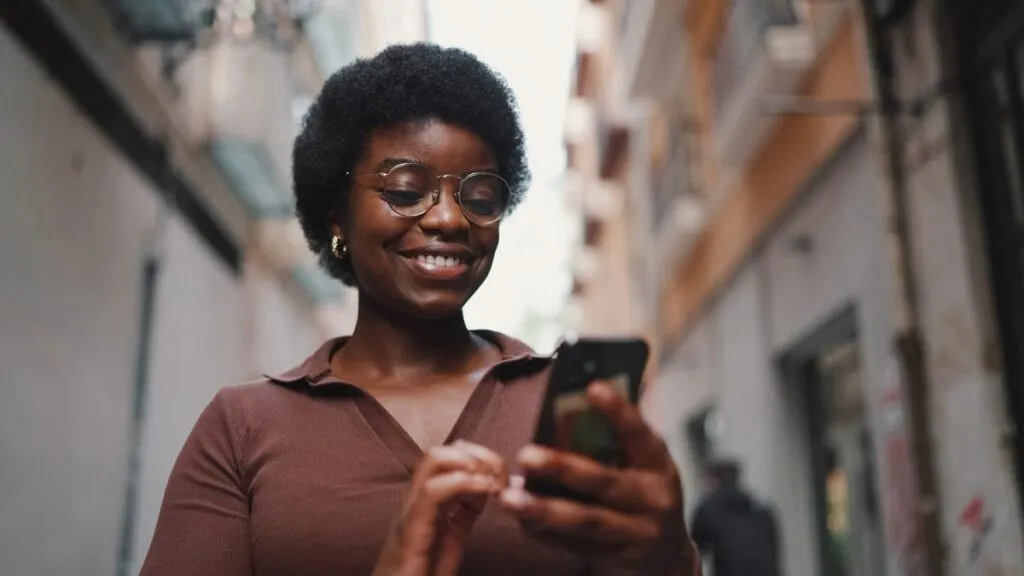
{"points": [[191, 21], [678, 176], [743, 42]]}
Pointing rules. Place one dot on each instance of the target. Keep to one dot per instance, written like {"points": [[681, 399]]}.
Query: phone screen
{"points": [[567, 422], [581, 429]]}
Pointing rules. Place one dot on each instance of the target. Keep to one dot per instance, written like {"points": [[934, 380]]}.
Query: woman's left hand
{"points": [[636, 520]]}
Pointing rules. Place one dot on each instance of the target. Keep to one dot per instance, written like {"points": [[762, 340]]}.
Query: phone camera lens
{"points": [[589, 367]]}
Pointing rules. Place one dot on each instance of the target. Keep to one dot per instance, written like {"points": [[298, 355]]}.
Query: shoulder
{"points": [[240, 410], [261, 398], [245, 396], [510, 347], [519, 362]]}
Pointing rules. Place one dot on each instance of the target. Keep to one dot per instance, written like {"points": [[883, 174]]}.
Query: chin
{"points": [[435, 302], [434, 310]]}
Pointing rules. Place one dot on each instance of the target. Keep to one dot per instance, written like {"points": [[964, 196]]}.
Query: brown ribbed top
{"points": [[302, 474]]}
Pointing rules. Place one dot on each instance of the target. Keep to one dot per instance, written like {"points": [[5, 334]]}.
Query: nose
{"points": [[446, 216]]}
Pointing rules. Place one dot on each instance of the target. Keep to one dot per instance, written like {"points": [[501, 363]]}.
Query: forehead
{"points": [[447, 147]]}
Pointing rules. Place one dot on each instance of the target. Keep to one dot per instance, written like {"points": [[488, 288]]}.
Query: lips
{"points": [[439, 265], [431, 261]]}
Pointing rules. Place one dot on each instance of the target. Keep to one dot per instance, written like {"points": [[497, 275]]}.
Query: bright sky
{"points": [[530, 42]]}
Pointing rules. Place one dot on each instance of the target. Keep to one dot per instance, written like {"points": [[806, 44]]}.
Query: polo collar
{"points": [[516, 356]]}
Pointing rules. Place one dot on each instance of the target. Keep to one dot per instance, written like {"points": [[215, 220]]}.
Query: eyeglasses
{"points": [[412, 189]]}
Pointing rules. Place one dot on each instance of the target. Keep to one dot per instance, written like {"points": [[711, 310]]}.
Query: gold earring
{"points": [[337, 248]]}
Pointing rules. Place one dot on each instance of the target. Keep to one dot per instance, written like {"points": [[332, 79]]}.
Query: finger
{"points": [[576, 520], [442, 488], [426, 503], [441, 459], [487, 462], [455, 486], [629, 491], [644, 448], [487, 457]]}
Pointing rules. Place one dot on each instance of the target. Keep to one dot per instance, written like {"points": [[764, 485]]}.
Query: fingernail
{"points": [[517, 499], [601, 392], [517, 482], [532, 456]]}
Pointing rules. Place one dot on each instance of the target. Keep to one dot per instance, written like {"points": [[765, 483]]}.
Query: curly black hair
{"points": [[400, 84]]}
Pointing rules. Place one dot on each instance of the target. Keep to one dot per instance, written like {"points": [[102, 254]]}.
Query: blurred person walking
{"points": [[739, 534]]}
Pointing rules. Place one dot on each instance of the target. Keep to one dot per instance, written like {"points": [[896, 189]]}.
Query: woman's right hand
{"points": [[448, 492]]}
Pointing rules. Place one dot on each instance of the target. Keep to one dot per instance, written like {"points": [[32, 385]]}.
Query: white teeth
{"points": [[430, 261]]}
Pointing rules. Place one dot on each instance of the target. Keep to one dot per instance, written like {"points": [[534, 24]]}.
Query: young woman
{"points": [[388, 452]]}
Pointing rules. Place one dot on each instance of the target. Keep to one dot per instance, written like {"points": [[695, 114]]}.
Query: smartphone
{"points": [[567, 422]]}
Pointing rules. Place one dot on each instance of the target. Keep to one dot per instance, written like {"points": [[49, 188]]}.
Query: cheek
{"points": [[488, 240], [488, 246], [370, 224]]}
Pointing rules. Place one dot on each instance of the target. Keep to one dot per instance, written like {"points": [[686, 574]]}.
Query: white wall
{"points": [[780, 298], [685, 385], [282, 329], [211, 331], [196, 349], [72, 230], [761, 417], [846, 264]]}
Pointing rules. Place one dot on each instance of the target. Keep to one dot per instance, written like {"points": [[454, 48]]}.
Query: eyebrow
{"points": [[392, 162], [388, 163]]}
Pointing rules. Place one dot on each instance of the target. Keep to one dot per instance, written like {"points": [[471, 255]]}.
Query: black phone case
{"points": [[576, 365]]}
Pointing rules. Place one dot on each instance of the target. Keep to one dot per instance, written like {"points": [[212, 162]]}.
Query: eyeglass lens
{"points": [[408, 190]]}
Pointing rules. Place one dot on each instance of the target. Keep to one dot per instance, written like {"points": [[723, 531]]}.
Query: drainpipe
{"points": [[153, 259], [908, 338]]}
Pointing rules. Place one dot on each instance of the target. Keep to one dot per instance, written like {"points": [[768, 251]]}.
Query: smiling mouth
{"points": [[438, 267], [436, 262]]}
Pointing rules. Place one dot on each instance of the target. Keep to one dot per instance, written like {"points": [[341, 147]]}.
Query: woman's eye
{"points": [[402, 197], [484, 207]]}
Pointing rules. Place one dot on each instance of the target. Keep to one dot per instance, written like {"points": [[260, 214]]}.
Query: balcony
{"points": [[240, 77], [652, 57], [602, 200], [249, 122], [580, 118], [766, 50], [162, 20], [239, 93], [586, 267], [612, 148], [333, 36], [678, 179], [592, 26], [583, 75]]}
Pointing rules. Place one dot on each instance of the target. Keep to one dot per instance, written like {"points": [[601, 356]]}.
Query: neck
{"points": [[386, 343]]}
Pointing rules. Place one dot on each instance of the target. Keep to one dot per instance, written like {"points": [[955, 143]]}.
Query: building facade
{"points": [[816, 203], [111, 112]]}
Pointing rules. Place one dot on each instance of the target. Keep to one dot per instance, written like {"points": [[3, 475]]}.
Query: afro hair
{"points": [[400, 84]]}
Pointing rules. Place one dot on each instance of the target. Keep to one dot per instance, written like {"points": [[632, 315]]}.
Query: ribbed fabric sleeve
{"points": [[203, 527]]}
